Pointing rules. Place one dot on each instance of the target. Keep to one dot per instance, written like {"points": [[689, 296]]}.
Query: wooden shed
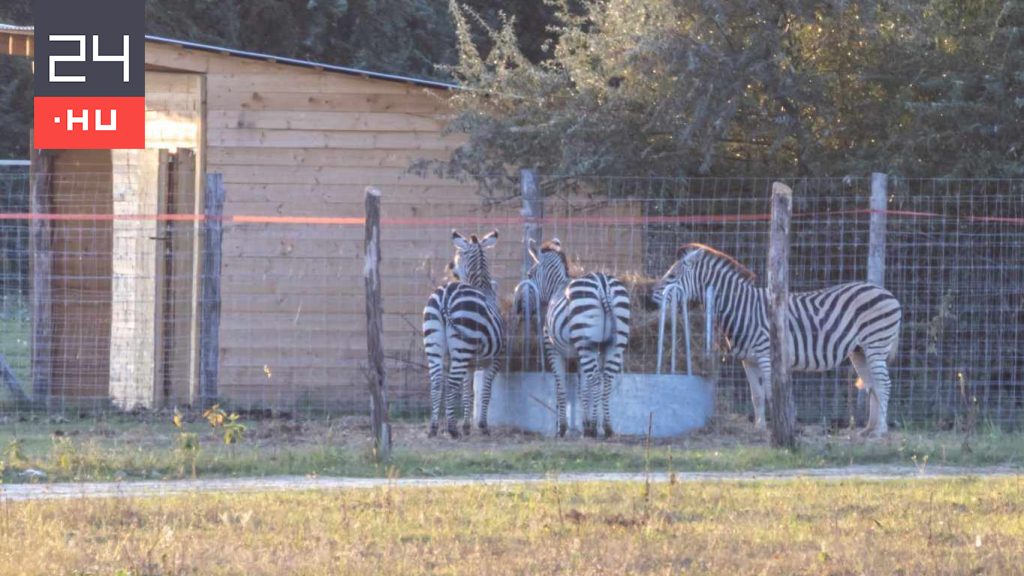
{"points": [[117, 312]]}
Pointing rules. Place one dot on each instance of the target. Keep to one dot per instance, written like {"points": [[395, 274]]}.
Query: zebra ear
{"points": [[459, 240], [489, 240]]}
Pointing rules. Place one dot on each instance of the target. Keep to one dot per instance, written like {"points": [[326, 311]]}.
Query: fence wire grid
{"points": [[119, 321]]}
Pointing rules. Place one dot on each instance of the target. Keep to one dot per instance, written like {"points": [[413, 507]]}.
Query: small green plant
{"points": [[14, 453], [234, 431], [920, 463], [187, 447], [188, 452], [65, 454]]}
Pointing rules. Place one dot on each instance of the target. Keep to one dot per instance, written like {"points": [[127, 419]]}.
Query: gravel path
{"points": [[19, 492]]}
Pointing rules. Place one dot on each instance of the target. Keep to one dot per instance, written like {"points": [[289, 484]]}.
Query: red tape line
{"points": [[482, 221]]}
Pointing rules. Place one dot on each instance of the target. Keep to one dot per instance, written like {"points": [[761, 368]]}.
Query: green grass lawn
{"points": [[151, 448], [961, 526]]}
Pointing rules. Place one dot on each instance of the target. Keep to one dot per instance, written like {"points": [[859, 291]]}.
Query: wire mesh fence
{"points": [[117, 318]]}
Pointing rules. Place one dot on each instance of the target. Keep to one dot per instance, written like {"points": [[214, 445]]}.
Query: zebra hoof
{"points": [[484, 430], [608, 432], [466, 428], [562, 429], [453, 431], [589, 431], [432, 433]]}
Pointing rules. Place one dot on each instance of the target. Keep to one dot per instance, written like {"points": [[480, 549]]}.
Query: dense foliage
{"points": [[797, 87]]}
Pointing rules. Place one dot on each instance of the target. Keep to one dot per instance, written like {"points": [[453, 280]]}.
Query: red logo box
{"points": [[90, 122]]}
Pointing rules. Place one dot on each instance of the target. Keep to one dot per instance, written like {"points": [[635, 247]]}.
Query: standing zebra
{"points": [[859, 321], [461, 321], [588, 318]]}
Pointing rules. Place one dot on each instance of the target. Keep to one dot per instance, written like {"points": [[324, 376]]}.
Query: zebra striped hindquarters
{"points": [[859, 321], [585, 318], [462, 323]]}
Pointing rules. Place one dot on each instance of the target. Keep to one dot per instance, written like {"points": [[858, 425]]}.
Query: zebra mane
{"points": [[746, 272], [556, 247]]}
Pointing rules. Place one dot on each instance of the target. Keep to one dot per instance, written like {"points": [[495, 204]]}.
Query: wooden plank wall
{"points": [[17, 44], [174, 110], [300, 142], [81, 276]]}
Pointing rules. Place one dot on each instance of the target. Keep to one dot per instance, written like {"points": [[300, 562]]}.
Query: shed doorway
{"points": [[154, 288]]}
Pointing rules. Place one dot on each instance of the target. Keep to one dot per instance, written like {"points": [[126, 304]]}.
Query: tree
{"points": [[15, 90], [791, 88]]}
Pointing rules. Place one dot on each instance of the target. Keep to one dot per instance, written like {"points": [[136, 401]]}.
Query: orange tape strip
{"points": [[470, 221]]}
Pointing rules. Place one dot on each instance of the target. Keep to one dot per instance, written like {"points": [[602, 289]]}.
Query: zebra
{"points": [[586, 318], [858, 320], [461, 321]]}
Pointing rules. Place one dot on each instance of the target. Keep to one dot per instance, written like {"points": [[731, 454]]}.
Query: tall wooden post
{"points": [[209, 299], [41, 264], [783, 409], [533, 211], [876, 242], [374, 328], [879, 203]]}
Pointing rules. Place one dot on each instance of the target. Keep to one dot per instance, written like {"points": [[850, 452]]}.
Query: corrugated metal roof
{"points": [[303, 63], [274, 59], [14, 28]]}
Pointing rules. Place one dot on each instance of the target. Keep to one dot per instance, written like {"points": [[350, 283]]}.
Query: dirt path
{"points": [[19, 492]]}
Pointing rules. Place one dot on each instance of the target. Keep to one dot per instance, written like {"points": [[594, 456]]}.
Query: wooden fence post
{"points": [[41, 263], [374, 328], [13, 385], [209, 305], [876, 273], [783, 409], [876, 242], [533, 211]]}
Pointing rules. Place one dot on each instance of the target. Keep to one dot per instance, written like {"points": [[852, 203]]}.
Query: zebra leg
{"points": [[880, 395], [557, 366], [612, 368], [867, 382], [756, 391], [457, 374], [467, 402], [436, 369], [591, 370], [485, 392]]}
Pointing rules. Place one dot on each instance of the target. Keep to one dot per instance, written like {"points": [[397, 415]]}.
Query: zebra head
{"points": [[683, 274], [470, 262], [550, 269], [698, 266]]}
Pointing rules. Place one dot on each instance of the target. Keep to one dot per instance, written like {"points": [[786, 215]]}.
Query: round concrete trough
{"points": [[674, 404]]}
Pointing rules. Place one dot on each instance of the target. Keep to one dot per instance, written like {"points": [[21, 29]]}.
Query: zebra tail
{"points": [[894, 350], [610, 321]]}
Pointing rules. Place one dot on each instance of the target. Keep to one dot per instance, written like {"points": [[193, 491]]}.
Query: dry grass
{"points": [[965, 526]]}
